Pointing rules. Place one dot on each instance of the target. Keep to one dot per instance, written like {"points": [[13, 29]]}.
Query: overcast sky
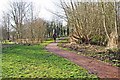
{"points": [[40, 5]]}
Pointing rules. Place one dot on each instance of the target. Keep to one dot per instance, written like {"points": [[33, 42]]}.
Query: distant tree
{"points": [[18, 11], [6, 26]]}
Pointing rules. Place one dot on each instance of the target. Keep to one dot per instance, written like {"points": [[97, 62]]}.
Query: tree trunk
{"points": [[113, 42]]}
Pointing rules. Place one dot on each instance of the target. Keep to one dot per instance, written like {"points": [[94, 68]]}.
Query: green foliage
{"points": [[98, 40], [113, 50], [95, 39], [45, 43], [7, 42], [34, 61]]}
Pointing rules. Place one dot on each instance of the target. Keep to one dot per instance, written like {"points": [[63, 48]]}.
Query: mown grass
{"points": [[34, 61]]}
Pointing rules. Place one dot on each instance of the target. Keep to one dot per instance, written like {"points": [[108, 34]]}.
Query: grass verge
{"points": [[34, 61]]}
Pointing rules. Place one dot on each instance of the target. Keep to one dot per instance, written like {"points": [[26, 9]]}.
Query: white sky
{"points": [[40, 5]]}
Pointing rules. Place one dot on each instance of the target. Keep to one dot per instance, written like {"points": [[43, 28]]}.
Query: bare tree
{"points": [[93, 19], [6, 26], [18, 11]]}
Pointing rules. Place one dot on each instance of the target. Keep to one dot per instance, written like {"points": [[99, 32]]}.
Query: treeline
{"points": [[22, 25], [56, 27], [93, 22]]}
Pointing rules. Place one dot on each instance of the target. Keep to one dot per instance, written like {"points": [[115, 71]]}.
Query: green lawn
{"points": [[34, 61]]}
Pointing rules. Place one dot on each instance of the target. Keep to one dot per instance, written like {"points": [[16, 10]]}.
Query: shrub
{"points": [[95, 40], [98, 40]]}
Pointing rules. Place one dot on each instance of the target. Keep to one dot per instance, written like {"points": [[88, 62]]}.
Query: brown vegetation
{"points": [[96, 22]]}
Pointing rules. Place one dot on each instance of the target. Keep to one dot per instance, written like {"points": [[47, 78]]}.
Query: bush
{"points": [[95, 40], [98, 40]]}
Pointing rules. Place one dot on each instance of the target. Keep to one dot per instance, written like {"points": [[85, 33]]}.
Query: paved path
{"points": [[99, 68]]}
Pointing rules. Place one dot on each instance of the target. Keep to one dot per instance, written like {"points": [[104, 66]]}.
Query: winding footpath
{"points": [[101, 69]]}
